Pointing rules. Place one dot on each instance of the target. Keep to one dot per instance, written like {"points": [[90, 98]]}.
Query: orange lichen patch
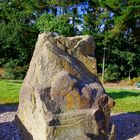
{"points": [[76, 101], [72, 100], [69, 102], [62, 85]]}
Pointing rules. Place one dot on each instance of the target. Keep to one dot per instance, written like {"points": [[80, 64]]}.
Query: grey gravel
{"points": [[128, 125]]}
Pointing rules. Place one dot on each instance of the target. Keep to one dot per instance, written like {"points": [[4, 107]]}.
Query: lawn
{"points": [[126, 100], [9, 91]]}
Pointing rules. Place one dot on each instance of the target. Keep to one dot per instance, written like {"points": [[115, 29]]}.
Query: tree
{"points": [[115, 25], [59, 24], [17, 37], [17, 33]]}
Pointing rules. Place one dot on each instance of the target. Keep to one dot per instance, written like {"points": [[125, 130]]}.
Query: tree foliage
{"points": [[114, 25], [17, 35], [59, 24]]}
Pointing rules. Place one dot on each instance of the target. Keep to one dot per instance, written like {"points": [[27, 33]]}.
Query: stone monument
{"points": [[61, 97]]}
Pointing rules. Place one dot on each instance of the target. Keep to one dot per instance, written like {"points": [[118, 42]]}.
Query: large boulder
{"points": [[61, 97]]}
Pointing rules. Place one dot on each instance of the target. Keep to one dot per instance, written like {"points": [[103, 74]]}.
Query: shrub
{"points": [[13, 71], [130, 82], [134, 81], [111, 73], [59, 24]]}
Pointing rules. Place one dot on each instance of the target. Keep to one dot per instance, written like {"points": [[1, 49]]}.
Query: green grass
{"points": [[9, 91], [126, 100]]}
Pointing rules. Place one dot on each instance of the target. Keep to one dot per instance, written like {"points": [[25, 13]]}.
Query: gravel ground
{"points": [[128, 125]]}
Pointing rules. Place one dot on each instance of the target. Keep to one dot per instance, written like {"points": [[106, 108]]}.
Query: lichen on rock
{"points": [[61, 97]]}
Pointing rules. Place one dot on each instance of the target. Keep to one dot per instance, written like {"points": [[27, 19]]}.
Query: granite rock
{"points": [[61, 96]]}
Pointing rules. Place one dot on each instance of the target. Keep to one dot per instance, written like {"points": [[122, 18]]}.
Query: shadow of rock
{"points": [[127, 125], [9, 131], [12, 131], [25, 135], [15, 81], [8, 107], [123, 94]]}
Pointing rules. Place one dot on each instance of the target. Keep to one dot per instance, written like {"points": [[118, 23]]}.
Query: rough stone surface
{"points": [[61, 97]]}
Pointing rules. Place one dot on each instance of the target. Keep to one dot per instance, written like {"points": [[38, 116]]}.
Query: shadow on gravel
{"points": [[127, 125], [25, 135], [8, 107], [9, 131]]}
